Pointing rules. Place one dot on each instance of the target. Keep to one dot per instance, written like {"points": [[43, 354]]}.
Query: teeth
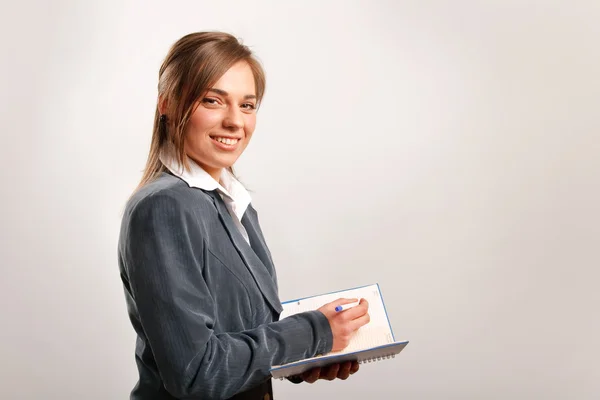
{"points": [[226, 140]]}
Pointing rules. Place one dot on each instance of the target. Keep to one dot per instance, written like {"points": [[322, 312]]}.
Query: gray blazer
{"points": [[204, 303]]}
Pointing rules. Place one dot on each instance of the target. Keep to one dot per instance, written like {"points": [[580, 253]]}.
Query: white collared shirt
{"points": [[234, 194]]}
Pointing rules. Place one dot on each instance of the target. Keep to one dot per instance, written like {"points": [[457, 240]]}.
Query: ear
{"points": [[162, 105]]}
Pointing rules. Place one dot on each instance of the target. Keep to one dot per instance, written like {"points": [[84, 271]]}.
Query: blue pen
{"points": [[346, 306]]}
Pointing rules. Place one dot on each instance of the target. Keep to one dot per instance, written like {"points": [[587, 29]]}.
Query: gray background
{"points": [[448, 150]]}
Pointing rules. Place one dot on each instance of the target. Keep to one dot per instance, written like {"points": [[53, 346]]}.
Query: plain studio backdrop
{"points": [[448, 150]]}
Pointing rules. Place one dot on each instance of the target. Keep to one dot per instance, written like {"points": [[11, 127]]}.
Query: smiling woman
{"points": [[222, 124], [203, 71], [199, 280]]}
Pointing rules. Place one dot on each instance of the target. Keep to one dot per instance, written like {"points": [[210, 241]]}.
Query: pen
{"points": [[346, 306]]}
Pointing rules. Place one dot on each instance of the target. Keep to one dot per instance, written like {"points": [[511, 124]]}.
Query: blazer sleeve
{"points": [[176, 311]]}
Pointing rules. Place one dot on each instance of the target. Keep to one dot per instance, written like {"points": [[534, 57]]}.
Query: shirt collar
{"points": [[232, 191]]}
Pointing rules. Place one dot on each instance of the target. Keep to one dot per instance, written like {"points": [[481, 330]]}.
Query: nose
{"points": [[233, 119]]}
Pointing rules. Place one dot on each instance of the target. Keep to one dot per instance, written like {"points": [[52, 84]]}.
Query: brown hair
{"points": [[194, 63]]}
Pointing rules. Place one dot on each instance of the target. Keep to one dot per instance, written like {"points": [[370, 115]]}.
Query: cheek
{"points": [[192, 139], [250, 124], [202, 121]]}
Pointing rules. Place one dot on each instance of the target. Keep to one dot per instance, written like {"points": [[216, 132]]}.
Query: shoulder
{"points": [[166, 195], [166, 209]]}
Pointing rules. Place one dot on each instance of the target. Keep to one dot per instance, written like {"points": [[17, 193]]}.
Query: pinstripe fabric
{"points": [[202, 300]]}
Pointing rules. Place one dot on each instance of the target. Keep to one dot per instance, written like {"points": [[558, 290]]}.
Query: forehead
{"points": [[237, 80]]}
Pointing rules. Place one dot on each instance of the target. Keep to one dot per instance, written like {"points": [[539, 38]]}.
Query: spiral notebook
{"points": [[373, 342]]}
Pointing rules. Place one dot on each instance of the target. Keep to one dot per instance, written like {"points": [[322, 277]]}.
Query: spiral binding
{"points": [[375, 359], [366, 361]]}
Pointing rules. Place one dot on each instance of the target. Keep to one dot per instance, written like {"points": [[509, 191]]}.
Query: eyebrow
{"points": [[224, 93]]}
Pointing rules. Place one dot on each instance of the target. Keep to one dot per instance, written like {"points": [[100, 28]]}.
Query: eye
{"points": [[248, 106], [210, 101]]}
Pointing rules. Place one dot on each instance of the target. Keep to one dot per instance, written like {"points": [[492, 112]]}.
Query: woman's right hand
{"points": [[345, 323]]}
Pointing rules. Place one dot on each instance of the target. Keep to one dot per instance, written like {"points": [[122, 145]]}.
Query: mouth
{"points": [[225, 140]]}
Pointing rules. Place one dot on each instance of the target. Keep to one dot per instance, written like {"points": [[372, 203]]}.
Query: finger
{"points": [[355, 367], [312, 375], [341, 302], [332, 372], [344, 371], [359, 322], [356, 312]]}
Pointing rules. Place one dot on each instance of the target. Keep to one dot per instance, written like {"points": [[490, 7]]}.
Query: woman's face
{"points": [[222, 124]]}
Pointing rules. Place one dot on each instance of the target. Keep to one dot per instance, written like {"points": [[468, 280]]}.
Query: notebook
{"points": [[373, 342]]}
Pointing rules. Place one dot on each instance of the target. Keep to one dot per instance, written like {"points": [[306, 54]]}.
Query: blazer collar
{"points": [[197, 177]]}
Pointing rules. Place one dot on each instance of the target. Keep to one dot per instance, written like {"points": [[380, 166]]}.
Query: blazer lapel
{"points": [[265, 281], [257, 240]]}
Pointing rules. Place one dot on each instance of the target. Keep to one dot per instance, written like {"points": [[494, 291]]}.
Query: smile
{"points": [[226, 141]]}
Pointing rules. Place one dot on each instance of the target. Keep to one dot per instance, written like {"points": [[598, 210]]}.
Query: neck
{"points": [[214, 172]]}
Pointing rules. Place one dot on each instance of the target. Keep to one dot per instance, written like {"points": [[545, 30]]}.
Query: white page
{"points": [[376, 333]]}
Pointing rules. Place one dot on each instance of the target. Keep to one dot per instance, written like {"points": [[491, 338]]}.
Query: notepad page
{"points": [[376, 333]]}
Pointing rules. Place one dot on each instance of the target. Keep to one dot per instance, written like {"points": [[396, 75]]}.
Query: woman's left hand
{"points": [[331, 372]]}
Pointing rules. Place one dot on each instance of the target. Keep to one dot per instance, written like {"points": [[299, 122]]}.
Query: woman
{"points": [[199, 279]]}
